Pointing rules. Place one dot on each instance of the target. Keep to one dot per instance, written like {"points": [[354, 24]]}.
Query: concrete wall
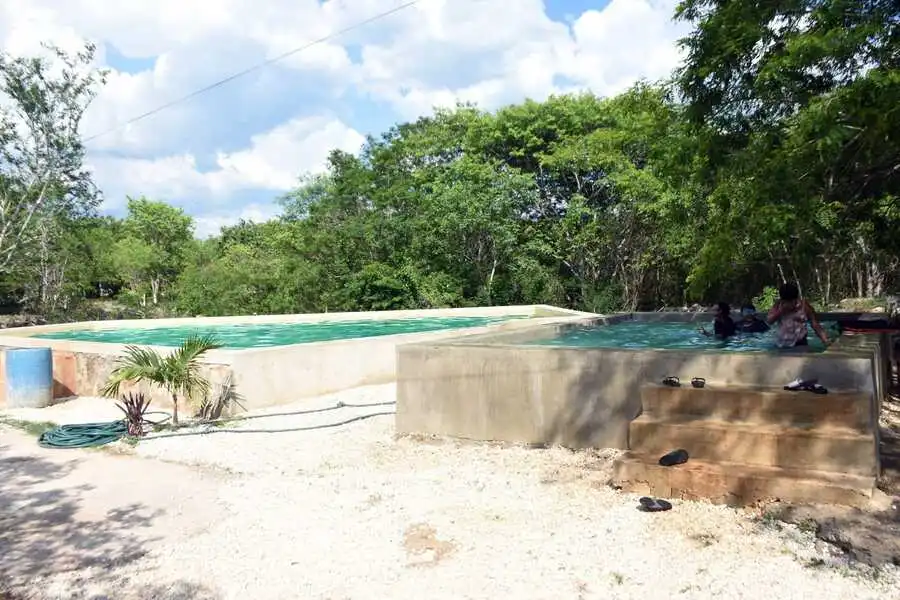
{"points": [[268, 376], [281, 374], [79, 373], [492, 387]]}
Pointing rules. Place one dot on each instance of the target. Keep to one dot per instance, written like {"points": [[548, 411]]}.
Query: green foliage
{"points": [[178, 372], [42, 176], [771, 154], [766, 300]]}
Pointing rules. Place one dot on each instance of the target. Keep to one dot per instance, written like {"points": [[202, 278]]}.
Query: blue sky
{"points": [[228, 153]]}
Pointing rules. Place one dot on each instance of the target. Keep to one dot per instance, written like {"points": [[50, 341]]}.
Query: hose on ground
{"points": [[83, 435], [86, 435]]}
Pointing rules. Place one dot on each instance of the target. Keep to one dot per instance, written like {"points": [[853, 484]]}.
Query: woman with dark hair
{"points": [[723, 325], [792, 314]]}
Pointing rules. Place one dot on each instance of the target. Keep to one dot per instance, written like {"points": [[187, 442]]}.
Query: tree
{"points": [[178, 372], [796, 104], [156, 238], [42, 176]]}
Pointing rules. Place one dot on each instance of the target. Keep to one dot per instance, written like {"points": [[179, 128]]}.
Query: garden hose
{"points": [[86, 435], [83, 435]]}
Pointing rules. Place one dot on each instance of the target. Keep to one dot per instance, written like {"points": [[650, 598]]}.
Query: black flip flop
{"points": [[815, 388], [654, 505], [675, 457], [672, 381], [698, 382], [800, 385]]}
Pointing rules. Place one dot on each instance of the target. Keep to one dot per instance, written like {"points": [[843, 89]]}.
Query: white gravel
{"points": [[350, 512]]}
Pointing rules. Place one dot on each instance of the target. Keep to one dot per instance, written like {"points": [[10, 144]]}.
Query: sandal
{"points": [[806, 385], [675, 457], [698, 382], [800, 384], [672, 381], [654, 505], [815, 388]]}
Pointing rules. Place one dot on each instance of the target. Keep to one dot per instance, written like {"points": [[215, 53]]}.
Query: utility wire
{"points": [[255, 67]]}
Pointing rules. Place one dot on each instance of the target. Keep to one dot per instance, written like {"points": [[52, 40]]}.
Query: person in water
{"points": [[792, 313], [723, 325], [750, 321]]}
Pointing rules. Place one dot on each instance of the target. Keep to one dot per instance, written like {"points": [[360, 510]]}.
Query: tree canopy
{"points": [[771, 154]]}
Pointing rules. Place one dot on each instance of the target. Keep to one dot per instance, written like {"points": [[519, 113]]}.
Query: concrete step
{"points": [[852, 410], [820, 449], [739, 484]]}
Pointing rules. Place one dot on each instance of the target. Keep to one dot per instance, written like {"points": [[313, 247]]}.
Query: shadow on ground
{"points": [[47, 534]]}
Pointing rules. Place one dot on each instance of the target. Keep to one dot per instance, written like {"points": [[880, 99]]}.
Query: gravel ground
{"points": [[349, 512]]}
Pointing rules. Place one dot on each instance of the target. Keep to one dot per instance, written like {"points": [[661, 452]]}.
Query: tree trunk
{"points": [[154, 290], [490, 282], [875, 283], [174, 409]]}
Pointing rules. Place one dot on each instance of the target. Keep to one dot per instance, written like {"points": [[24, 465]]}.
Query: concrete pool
{"points": [[525, 386], [271, 368], [671, 335], [267, 335]]}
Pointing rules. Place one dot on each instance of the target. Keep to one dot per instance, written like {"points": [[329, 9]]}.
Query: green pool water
{"points": [[672, 336], [259, 335]]}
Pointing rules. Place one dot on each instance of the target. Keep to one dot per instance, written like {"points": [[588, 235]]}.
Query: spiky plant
{"points": [[177, 372], [134, 406], [214, 405]]}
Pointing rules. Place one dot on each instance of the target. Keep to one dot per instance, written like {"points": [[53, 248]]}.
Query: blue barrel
{"points": [[29, 377]]}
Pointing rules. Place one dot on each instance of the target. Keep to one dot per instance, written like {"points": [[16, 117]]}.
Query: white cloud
{"points": [[273, 161], [211, 223], [519, 53], [492, 52]]}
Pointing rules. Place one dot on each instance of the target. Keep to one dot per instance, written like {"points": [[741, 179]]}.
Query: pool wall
{"points": [[496, 387], [273, 375]]}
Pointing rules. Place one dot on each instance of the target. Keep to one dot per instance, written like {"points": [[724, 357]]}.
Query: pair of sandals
{"points": [[648, 504], [696, 382]]}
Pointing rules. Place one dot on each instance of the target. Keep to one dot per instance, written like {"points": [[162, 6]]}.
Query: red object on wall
{"points": [[64, 374]]}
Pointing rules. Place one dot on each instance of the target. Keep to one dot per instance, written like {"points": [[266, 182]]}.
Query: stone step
{"points": [[820, 449], [738, 484], [852, 410]]}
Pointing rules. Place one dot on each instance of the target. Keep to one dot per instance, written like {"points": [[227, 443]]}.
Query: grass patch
{"points": [[35, 428]]}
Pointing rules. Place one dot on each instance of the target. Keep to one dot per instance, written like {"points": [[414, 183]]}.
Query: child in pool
{"points": [[723, 325]]}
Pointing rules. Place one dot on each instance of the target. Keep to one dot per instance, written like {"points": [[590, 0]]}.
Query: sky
{"points": [[227, 154]]}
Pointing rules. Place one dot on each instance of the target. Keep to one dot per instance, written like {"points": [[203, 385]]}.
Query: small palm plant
{"points": [[177, 372]]}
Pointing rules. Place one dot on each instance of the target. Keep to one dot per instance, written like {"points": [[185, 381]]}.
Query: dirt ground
{"points": [[322, 501], [88, 513]]}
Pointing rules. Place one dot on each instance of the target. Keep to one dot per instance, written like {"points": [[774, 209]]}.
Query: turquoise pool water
{"points": [[259, 335], [672, 336]]}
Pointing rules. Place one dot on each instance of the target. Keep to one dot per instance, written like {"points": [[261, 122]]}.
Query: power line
{"points": [[255, 67]]}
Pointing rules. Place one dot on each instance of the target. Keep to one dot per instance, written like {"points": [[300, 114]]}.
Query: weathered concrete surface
{"points": [[737, 484], [754, 445], [582, 397], [817, 448], [516, 394], [849, 410]]}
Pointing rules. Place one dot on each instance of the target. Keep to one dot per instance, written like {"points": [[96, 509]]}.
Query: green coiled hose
{"points": [[83, 435]]}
